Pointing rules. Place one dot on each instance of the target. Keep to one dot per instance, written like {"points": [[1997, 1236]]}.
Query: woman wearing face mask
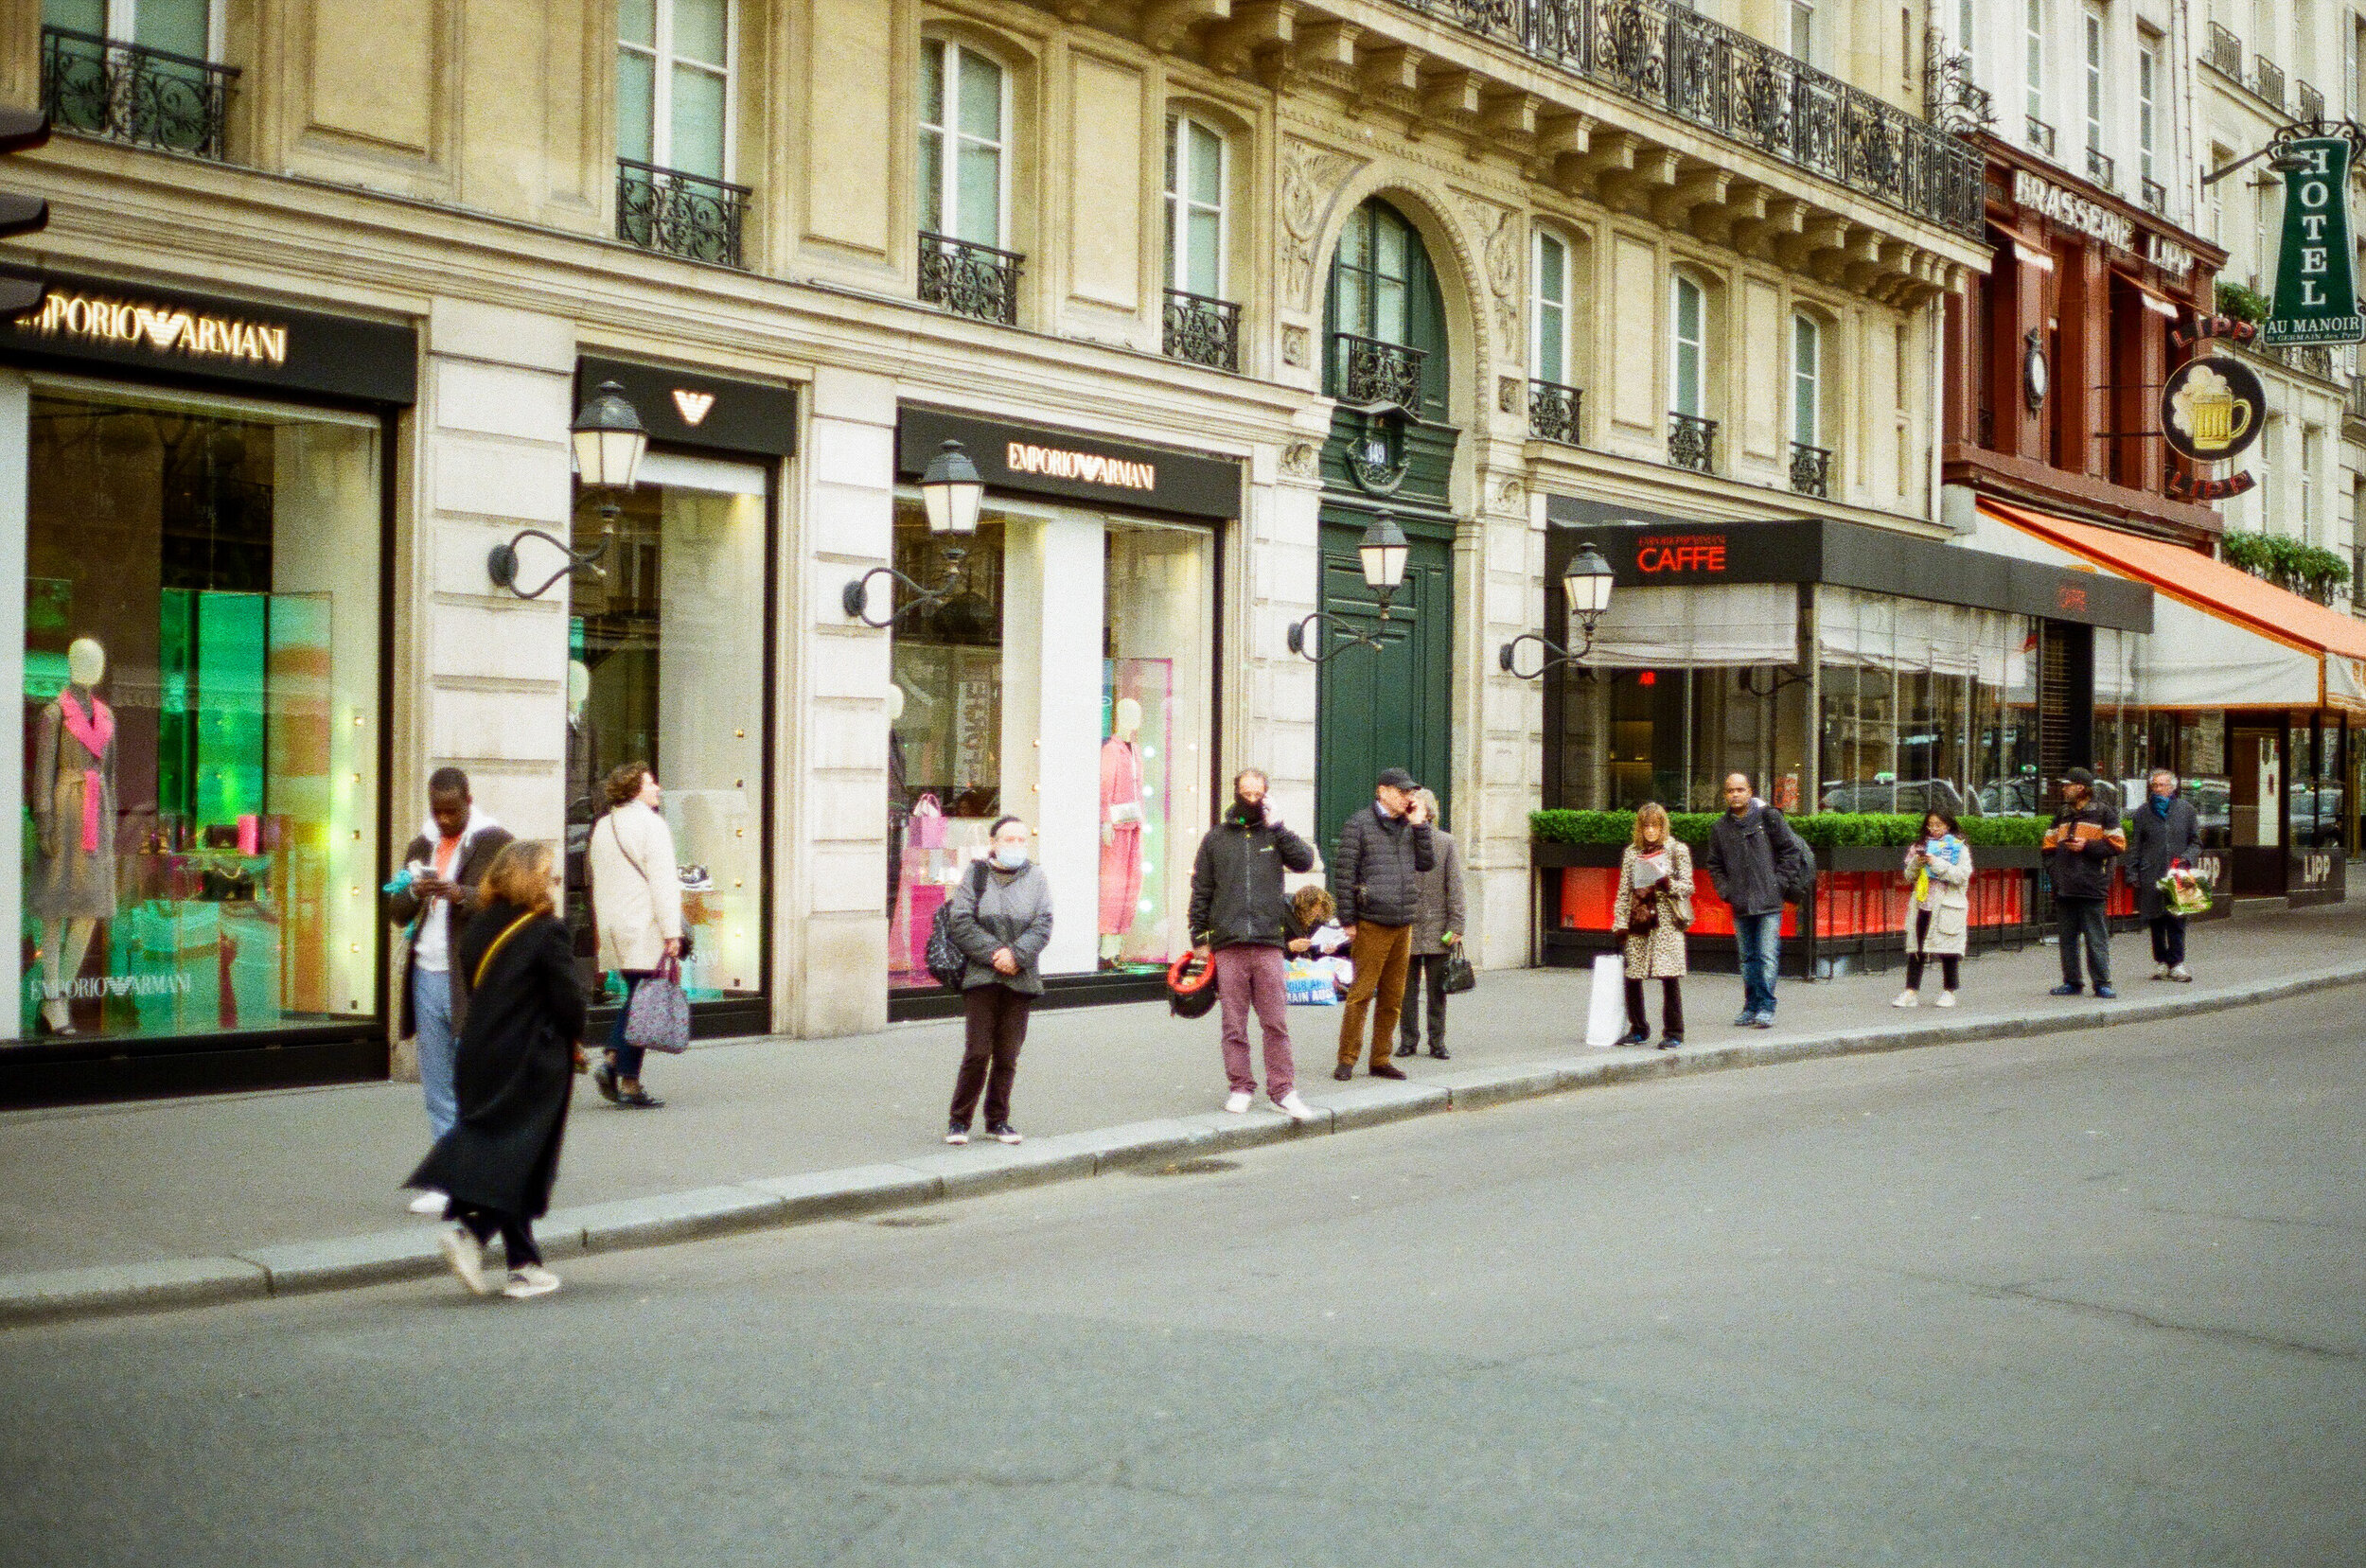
{"points": [[1000, 918]]}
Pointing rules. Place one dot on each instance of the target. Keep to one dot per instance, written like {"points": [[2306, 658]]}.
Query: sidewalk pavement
{"points": [[120, 1207]]}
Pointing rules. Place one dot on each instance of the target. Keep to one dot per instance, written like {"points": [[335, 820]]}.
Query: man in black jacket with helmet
{"points": [[1240, 922]]}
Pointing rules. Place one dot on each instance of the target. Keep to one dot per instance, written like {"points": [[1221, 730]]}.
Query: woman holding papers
{"points": [[1654, 906]]}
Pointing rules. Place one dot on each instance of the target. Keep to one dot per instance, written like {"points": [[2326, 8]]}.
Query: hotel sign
{"points": [[88, 322], [1072, 466], [2315, 289]]}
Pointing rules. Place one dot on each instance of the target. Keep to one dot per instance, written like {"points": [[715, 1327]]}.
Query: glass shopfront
{"points": [[199, 768], [667, 666], [1068, 682]]}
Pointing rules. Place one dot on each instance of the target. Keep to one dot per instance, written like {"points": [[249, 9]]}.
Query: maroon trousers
{"points": [[1252, 977]]}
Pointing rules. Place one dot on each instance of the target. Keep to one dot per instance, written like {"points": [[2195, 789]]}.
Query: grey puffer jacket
{"points": [[1377, 875], [1012, 910], [1442, 909]]}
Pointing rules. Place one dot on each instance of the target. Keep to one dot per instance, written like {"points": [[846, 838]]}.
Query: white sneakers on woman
{"points": [[532, 1280], [466, 1255], [1947, 999], [1907, 998]]}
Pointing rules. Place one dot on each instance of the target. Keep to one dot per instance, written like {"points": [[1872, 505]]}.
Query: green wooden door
{"points": [[1391, 708]]}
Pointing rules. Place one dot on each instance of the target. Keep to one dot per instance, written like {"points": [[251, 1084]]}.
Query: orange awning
{"points": [[2223, 591]]}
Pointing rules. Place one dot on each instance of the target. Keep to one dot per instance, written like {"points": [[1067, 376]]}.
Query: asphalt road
{"points": [[2090, 1299]]}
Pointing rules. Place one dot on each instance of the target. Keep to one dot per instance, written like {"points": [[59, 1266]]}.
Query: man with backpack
{"points": [[1758, 862], [1240, 922]]}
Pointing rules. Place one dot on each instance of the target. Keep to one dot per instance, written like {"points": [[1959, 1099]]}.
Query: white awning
{"points": [[1699, 627]]}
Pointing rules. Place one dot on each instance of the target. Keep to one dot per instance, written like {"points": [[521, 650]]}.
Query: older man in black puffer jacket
{"points": [[1376, 880]]}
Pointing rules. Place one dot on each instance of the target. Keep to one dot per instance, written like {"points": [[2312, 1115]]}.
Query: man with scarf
{"points": [[1241, 922], [435, 891]]}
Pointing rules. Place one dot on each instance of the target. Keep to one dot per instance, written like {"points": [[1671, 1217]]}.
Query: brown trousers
{"points": [[1380, 954]]}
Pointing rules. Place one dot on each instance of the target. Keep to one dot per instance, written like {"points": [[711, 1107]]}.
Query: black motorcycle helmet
{"points": [[1191, 986]]}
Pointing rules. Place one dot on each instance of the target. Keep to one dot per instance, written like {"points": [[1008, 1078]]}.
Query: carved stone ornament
{"points": [[1513, 497], [1312, 178], [1499, 253], [1296, 344], [1507, 394], [1300, 461]]}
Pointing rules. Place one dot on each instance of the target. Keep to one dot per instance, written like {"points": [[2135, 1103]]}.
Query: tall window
{"points": [[1374, 269], [182, 27], [1552, 308], [1966, 15], [2093, 23], [1803, 31], [2218, 157], [2311, 440], [2034, 58], [1195, 186], [1688, 345], [964, 113], [1807, 379], [2147, 100], [673, 84]]}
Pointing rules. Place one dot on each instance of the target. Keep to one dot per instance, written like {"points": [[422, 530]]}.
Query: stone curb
{"points": [[357, 1260]]}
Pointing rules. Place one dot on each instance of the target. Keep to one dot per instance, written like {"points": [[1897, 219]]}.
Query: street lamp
{"points": [[951, 492], [610, 442], [1585, 584], [1382, 554]]}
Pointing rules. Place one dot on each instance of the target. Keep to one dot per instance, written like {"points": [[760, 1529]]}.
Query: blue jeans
{"points": [[1760, 938], [431, 1009], [628, 1058]]}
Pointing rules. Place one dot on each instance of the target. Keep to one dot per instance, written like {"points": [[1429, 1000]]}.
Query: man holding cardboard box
{"points": [[2080, 847]]}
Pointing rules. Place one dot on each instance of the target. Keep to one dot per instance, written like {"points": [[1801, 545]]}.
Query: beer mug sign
{"points": [[2210, 409]]}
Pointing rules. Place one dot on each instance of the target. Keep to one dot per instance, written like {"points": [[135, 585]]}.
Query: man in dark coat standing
{"points": [[1754, 855], [2168, 833], [2080, 846], [1240, 922], [1376, 882]]}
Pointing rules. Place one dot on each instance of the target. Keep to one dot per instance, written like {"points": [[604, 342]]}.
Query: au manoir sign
{"points": [[2315, 292]]}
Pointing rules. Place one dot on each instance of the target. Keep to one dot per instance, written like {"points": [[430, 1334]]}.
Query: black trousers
{"points": [[1672, 1008], [1950, 964], [516, 1230], [996, 1017], [2083, 918], [2168, 940], [1424, 981]]}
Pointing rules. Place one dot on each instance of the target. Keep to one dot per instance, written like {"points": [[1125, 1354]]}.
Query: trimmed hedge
{"points": [[1823, 829]]}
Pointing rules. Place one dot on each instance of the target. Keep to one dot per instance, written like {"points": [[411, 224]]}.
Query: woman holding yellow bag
{"points": [[1938, 917]]}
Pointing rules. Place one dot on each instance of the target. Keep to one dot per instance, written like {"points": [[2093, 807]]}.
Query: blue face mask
{"points": [[1011, 859]]}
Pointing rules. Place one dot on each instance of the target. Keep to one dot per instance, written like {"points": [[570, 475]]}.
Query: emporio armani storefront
{"points": [[195, 507]]}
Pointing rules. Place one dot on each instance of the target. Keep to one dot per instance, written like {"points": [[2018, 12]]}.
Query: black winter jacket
{"points": [[1752, 857], [1377, 874], [1237, 899], [2158, 843], [2084, 872]]}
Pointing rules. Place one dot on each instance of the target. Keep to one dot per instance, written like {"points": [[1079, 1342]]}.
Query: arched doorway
{"points": [[1390, 446]]}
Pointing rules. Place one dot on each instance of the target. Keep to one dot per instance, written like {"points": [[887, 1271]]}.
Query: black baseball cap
{"points": [[1396, 778]]}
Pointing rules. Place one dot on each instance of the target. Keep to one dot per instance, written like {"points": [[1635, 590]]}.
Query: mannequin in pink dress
{"points": [[1120, 828]]}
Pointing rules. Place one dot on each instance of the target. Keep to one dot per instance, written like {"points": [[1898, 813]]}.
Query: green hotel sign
{"points": [[2316, 295]]}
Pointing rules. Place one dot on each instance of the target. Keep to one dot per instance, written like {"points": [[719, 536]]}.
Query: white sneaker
{"points": [[1907, 998], [2160, 971], [466, 1255], [429, 1202], [2180, 973], [1294, 1107], [534, 1279], [1947, 999], [1237, 1101]]}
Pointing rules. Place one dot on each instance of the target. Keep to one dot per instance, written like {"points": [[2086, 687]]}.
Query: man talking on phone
{"points": [[435, 890], [2080, 846]]}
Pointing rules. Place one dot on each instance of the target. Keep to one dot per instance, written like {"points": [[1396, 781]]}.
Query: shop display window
{"points": [[1067, 682], [667, 667], [199, 769], [2201, 763]]}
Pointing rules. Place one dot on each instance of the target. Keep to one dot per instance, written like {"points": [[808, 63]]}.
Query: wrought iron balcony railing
{"points": [[2268, 80], [1202, 330], [2101, 168], [2312, 102], [2226, 51], [128, 93], [688, 215], [1810, 469], [1666, 55], [2041, 136], [970, 280], [2155, 197], [1370, 372], [1692, 442], [1553, 411]]}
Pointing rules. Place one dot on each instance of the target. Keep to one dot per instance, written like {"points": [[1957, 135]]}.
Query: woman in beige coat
{"points": [[636, 899], [1654, 906], [1938, 916]]}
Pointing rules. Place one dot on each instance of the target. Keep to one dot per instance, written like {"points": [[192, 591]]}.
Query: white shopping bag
{"points": [[1606, 1010]]}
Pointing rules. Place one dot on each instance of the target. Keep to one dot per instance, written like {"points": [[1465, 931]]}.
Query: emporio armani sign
{"points": [[166, 329]]}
